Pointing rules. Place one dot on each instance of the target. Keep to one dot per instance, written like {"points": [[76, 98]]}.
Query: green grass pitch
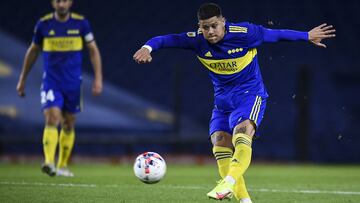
{"points": [[116, 183]]}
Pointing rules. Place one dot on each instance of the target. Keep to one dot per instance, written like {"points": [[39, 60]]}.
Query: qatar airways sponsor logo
{"points": [[224, 66]]}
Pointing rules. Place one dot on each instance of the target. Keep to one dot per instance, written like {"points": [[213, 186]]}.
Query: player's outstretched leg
{"points": [[223, 152], [223, 157]]}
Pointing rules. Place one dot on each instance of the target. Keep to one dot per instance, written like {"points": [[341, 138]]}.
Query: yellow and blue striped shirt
{"points": [[232, 62], [62, 43]]}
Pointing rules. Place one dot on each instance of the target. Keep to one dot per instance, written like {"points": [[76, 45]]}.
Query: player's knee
{"points": [[52, 116], [246, 127], [221, 139], [68, 123], [53, 120], [68, 127]]}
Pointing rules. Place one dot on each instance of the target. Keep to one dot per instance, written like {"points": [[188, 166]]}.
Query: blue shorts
{"points": [[68, 100], [232, 110]]}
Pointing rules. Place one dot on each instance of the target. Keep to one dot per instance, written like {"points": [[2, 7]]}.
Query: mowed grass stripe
{"points": [[108, 183], [178, 187]]}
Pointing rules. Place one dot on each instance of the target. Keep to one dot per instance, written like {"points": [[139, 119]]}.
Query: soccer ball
{"points": [[149, 167]]}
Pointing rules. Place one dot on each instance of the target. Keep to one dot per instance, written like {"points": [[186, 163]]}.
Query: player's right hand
{"points": [[20, 88], [142, 56]]}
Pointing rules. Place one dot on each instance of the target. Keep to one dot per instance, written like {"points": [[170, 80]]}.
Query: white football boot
{"points": [[65, 172]]}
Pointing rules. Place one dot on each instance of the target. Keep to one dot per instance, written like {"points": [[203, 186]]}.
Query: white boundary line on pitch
{"points": [[179, 187], [49, 184], [307, 191]]}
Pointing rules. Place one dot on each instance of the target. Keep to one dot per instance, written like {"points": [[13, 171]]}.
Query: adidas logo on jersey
{"points": [[208, 54], [52, 32]]}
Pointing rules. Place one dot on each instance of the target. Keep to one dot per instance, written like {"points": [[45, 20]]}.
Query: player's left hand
{"points": [[97, 87], [143, 55], [321, 32]]}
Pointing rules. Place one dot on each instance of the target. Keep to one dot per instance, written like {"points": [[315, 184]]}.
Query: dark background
{"points": [[313, 111]]}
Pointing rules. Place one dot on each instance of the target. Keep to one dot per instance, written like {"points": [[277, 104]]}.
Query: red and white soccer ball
{"points": [[149, 167]]}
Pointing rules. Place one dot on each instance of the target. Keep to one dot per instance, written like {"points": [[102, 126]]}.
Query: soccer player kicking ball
{"points": [[60, 36], [228, 51]]}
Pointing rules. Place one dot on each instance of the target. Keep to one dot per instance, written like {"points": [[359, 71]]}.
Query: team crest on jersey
{"points": [[208, 54], [191, 34], [232, 51], [51, 32]]}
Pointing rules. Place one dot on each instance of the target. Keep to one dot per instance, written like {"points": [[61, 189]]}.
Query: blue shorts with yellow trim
{"points": [[230, 111], [68, 100]]}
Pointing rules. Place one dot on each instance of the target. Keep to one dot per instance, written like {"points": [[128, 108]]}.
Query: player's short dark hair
{"points": [[209, 10]]}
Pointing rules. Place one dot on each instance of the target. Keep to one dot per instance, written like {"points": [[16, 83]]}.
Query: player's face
{"points": [[62, 7], [213, 29]]}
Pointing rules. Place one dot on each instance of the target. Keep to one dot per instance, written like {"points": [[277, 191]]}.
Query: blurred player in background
{"points": [[60, 36], [228, 51]]}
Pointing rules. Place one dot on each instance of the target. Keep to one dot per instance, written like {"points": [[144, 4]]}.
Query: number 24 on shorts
{"points": [[47, 96]]}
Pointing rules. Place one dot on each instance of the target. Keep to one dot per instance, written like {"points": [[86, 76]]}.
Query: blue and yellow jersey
{"points": [[232, 62], [62, 44]]}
